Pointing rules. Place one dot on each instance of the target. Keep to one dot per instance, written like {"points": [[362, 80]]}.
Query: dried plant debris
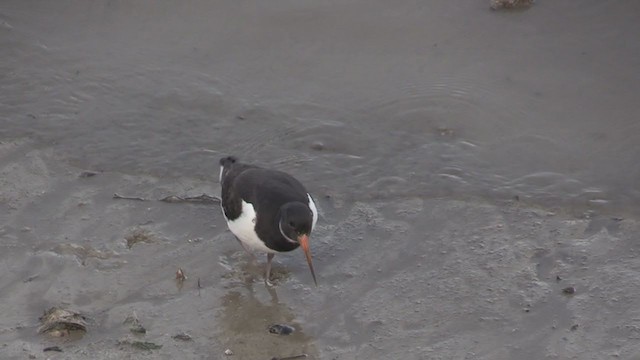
{"points": [[182, 337], [203, 199], [138, 236], [87, 174], [510, 4], [134, 324], [142, 345], [281, 329], [61, 322], [52, 348], [301, 356], [82, 252], [180, 276], [118, 196]]}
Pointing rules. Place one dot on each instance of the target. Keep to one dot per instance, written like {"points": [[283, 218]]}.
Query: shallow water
{"points": [[452, 99], [383, 110]]}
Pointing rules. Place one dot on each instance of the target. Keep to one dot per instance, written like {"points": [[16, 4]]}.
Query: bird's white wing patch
{"points": [[314, 211], [244, 228]]}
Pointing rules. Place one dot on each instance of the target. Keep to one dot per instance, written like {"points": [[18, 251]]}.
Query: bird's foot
{"points": [[268, 283]]}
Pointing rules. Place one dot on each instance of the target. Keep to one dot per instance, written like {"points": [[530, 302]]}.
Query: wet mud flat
{"points": [[412, 277], [475, 171]]}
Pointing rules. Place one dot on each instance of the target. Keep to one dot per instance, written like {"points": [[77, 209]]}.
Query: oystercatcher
{"points": [[267, 210]]}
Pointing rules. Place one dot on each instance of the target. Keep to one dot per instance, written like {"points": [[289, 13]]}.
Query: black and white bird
{"points": [[267, 210]]}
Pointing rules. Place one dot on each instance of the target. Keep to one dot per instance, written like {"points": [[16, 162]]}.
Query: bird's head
{"points": [[295, 224]]}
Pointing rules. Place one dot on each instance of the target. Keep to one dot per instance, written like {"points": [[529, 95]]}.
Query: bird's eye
{"points": [[292, 224]]}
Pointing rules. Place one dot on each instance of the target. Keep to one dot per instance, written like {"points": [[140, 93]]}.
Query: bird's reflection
{"points": [[249, 308]]}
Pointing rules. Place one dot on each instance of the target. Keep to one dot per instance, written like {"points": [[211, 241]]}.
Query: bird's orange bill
{"points": [[304, 242]]}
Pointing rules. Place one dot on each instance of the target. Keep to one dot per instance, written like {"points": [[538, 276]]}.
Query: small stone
{"points": [[87, 174], [569, 290], [281, 329], [228, 352], [317, 145]]}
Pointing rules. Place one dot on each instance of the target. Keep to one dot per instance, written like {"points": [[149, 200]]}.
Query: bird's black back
{"points": [[267, 190]]}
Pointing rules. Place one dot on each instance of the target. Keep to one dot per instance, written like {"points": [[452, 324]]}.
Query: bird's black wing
{"points": [[230, 194]]}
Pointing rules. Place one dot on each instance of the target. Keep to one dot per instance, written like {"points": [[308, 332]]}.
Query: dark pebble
{"points": [[281, 329], [569, 290], [88, 174], [317, 145]]}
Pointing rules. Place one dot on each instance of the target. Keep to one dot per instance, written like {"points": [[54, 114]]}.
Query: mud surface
{"points": [[469, 166]]}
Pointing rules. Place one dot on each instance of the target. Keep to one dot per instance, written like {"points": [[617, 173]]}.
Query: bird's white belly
{"points": [[314, 211], [244, 229]]}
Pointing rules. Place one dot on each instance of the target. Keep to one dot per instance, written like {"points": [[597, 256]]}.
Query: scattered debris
{"points": [[87, 174], [138, 236], [569, 290], [116, 196], [199, 286], [204, 198], [444, 131], [142, 345], [558, 278], [574, 327], [228, 352], [290, 357], [182, 336], [60, 322], [82, 252], [281, 329], [510, 4], [31, 278], [52, 348], [137, 328], [135, 325], [180, 276]]}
